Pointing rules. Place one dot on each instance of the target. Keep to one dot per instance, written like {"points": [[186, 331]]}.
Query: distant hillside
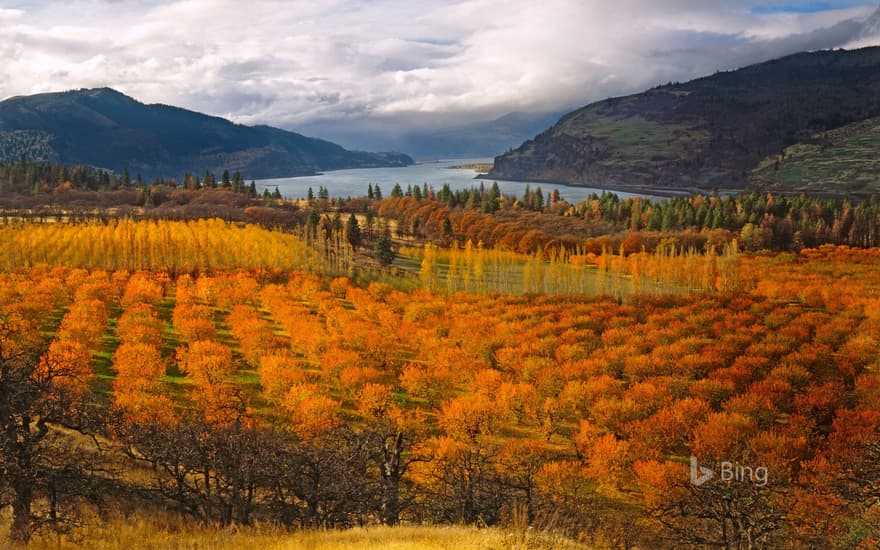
{"points": [[844, 159], [477, 139], [104, 128], [710, 132], [481, 139]]}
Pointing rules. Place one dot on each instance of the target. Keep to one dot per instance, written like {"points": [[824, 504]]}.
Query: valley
{"points": [[439, 275]]}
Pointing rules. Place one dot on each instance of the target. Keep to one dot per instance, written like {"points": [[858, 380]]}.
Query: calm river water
{"points": [[353, 183]]}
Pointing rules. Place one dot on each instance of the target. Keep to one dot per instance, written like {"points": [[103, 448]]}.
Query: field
{"points": [[150, 535], [238, 386], [844, 160]]}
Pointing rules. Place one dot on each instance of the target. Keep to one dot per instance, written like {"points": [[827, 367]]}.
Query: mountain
{"points": [[104, 128], [709, 132], [845, 158], [422, 140], [481, 139]]}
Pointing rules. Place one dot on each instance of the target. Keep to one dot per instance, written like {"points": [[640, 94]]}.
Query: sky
{"points": [[400, 65]]}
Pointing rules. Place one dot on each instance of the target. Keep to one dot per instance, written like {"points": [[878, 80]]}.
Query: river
{"points": [[354, 182]]}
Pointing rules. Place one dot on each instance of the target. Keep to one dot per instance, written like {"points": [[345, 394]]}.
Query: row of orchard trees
{"points": [[380, 405], [667, 270], [44, 383], [466, 408], [174, 246], [138, 361], [324, 247]]}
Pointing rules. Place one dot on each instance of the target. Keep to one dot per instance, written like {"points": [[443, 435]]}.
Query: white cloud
{"points": [[289, 63]]}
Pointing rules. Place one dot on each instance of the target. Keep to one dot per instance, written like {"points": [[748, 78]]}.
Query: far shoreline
{"points": [[659, 192]]}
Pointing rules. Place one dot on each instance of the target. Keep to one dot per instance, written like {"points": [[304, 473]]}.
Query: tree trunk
{"points": [[391, 471], [20, 532], [390, 501]]}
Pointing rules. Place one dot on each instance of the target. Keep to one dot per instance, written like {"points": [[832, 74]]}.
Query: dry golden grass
{"points": [[144, 535]]}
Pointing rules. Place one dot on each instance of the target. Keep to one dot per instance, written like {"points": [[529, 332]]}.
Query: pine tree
{"points": [[447, 228], [353, 231], [383, 251]]}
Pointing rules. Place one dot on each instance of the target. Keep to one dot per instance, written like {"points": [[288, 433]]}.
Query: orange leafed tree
{"points": [[468, 417], [140, 324], [194, 322], [278, 373], [312, 413], [138, 366], [67, 365], [142, 287], [206, 362]]}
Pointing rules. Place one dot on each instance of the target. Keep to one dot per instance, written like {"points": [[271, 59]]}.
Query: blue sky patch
{"points": [[805, 7]]}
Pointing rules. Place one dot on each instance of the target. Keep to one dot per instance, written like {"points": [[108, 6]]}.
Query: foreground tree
{"points": [[35, 394]]}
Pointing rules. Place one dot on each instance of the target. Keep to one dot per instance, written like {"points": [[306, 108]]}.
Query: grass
{"points": [[842, 160], [638, 138], [150, 535]]}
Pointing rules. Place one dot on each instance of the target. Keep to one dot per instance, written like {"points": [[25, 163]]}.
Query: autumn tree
{"points": [[137, 390], [35, 393]]}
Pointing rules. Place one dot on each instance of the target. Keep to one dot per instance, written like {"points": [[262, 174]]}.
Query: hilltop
{"points": [[107, 129], [709, 132]]}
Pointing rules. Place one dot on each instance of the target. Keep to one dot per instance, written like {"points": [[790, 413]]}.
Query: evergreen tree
{"points": [[370, 220], [353, 231], [668, 221], [655, 219], [447, 228], [383, 250]]}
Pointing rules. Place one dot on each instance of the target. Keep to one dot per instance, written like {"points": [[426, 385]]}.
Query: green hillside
{"points": [[707, 133], [844, 160], [106, 129]]}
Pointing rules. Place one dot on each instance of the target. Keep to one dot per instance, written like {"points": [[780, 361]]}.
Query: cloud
{"points": [[397, 64]]}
